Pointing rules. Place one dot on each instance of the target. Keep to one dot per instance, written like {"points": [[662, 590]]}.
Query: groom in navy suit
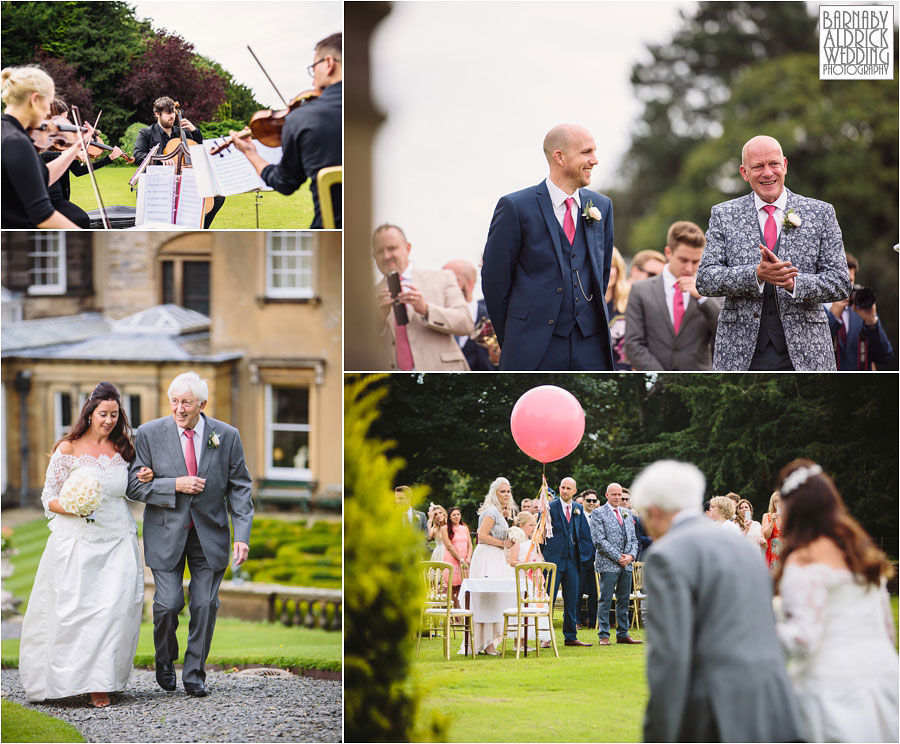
{"points": [[570, 545], [546, 264]]}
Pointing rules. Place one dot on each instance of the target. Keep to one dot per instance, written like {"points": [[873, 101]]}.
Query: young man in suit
{"points": [[711, 631], [568, 548], [776, 257], [612, 530], [668, 324], [546, 264]]}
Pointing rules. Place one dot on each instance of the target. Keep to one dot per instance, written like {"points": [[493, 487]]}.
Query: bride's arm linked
{"points": [[804, 596], [143, 485]]}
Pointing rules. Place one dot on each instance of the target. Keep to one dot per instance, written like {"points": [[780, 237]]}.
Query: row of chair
{"points": [[635, 599]]}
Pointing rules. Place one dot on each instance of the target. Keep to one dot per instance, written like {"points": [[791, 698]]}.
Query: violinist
{"points": [[160, 134], [25, 201], [312, 135], [60, 190]]}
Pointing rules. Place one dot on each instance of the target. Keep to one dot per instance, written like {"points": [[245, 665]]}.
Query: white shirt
{"points": [[198, 441], [778, 215], [558, 199]]}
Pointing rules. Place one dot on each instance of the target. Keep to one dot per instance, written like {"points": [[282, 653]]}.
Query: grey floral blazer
{"points": [[728, 268]]}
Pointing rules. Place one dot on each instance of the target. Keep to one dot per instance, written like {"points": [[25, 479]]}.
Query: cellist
{"points": [[312, 135], [25, 201], [164, 130]]}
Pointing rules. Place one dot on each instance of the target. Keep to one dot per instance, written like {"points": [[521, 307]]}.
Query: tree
{"points": [[70, 85], [239, 102], [168, 67]]}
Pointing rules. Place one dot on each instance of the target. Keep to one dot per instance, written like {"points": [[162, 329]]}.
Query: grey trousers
{"points": [[168, 601], [620, 585]]}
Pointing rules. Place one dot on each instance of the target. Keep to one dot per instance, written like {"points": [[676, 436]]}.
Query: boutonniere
{"points": [[577, 512], [591, 214], [213, 441], [791, 219]]}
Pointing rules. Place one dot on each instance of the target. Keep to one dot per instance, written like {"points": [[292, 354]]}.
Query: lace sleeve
{"points": [[57, 472], [804, 593]]}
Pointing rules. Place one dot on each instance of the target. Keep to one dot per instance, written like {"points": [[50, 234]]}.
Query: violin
{"points": [[265, 126], [96, 147], [57, 132]]}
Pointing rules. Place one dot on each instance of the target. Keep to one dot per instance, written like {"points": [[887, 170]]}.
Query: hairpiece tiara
{"points": [[799, 477]]}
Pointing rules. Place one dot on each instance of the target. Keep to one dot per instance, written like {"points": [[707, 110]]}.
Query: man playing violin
{"points": [[312, 135], [164, 130]]}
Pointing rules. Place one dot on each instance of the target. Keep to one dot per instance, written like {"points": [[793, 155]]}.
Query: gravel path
{"points": [[248, 709]]}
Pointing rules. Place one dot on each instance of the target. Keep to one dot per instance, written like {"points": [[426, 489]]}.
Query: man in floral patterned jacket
{"points": [[776, 257]]}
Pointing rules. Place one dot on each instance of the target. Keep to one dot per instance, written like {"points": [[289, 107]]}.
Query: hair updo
{"points": [[18, 83]]}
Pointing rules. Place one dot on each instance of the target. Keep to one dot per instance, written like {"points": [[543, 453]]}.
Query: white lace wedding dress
{"points": [[81, 627], [838, 639]]}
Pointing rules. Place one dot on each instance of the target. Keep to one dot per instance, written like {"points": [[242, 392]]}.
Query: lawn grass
{"points": [[23, 724], [28, 540], [494, 699], [276, 211], [237, 642]]}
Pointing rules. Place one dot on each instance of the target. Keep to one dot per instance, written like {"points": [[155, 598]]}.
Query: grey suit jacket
{"points": [[650, 340], [728, 268], [714, 665], [168, 513], [611, 539]]}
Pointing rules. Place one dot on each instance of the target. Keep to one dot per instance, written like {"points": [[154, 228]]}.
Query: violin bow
{"points": [[267, 77], [87, 160]]}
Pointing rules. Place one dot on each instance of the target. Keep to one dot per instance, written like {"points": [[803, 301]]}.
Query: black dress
{"points": [[24, 197], [60, 190]]}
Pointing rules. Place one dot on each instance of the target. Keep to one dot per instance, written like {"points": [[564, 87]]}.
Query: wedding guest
{"points": [[411, 517], [587, 581], [646, 264], [438, 522], [80, 631], [640, 532], [534, 506], [721, 511], [771, 529], [833, 577], [488, 562], [525, 505], [524, 550], [457, 542], [751, 529], [27, 93], [617, 292], [479, 357]]}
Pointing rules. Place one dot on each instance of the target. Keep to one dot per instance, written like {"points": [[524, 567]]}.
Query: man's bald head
{"points": [[567, 489], [760, 142], [466, 275], [561, 138]]}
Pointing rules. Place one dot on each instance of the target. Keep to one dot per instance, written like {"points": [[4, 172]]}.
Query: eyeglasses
{"points": [[312, 68]]}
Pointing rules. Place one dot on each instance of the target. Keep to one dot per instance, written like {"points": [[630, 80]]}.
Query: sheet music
{"points": [[142, 166], [232, 173], [156, 194], [190, 204]]}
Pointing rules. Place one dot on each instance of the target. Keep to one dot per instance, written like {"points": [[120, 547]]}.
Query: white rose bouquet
{"points": [[80, 494]]}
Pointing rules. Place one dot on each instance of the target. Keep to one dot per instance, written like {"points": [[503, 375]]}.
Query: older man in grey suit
{"points": [[199, 476], [612, 532], [714, 666], [776, 256], [668, 324]]}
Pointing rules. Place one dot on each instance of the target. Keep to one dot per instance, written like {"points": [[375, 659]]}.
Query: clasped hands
{"points": [[773, 271], [625, 560], [409, 295]]}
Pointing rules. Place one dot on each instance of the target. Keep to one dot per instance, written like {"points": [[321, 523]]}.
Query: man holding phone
{"points": [[419, 311]]}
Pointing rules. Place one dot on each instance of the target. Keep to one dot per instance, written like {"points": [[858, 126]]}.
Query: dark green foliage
{"points": [[127, 140], [382, 588], [740, 429], [221, 127]]}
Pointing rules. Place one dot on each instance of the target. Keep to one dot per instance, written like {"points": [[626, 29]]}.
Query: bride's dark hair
{"points": [[121, 433], [814, 508]]}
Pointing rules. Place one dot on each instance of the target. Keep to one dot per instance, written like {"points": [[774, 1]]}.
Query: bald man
{"points": [[776, 257], [480, 357], [547, 261]]}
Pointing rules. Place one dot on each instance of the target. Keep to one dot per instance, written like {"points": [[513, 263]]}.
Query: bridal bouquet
{"points": [[80, 494]]}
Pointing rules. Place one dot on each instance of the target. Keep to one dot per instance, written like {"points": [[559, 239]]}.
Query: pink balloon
{"points": [[547, 423]]}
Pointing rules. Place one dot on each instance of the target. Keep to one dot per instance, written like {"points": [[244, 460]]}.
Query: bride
{"points": [[81, 627], [838, 631]]}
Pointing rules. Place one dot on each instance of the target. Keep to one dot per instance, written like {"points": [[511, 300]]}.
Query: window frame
{"points": [[40, 240], [277, 473], [306, 245]]}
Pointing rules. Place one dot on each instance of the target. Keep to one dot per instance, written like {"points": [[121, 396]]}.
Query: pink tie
{"points": [[568, 512], [770, 231], [678, 306], [190, 457], [568, 222], [618, 516], [404, 352]]}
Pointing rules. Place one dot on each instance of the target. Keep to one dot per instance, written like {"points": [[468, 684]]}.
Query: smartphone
{"points": [[393, 282]]}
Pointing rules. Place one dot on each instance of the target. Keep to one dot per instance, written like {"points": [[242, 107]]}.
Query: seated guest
{"points": [[480, 358], [312, 136], [165, 130], [669, 325], [646, 264], [721, 511], [752, 530], [435, 308], [616, 301], [860, 342]]}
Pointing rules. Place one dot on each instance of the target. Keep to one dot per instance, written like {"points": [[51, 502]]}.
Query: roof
{"points": [[43, 332]]}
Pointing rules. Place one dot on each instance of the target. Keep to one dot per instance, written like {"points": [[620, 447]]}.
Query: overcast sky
{"points": [[471, 88], [283, 35]]}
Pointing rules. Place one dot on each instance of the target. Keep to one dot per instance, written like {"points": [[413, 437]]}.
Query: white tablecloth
{"points": [[489, 597]]}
